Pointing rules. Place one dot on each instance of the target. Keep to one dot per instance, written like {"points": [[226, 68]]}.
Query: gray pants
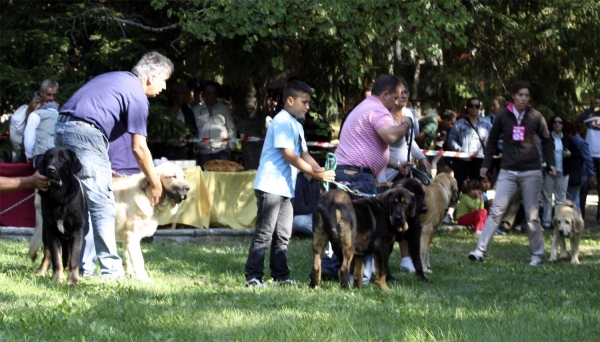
{"points": [[553, 185], [275, 215], [507, 184]]}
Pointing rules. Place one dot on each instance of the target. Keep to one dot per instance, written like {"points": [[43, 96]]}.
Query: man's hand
{"points": [[155, 194], [408, 121], [592, 180], [483, 172], [425, 165], [38, 181], [322, 175], [552, 171], [404, 168], [595, 121]]}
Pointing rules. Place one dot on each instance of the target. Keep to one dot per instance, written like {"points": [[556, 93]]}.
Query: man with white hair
{"points": [[48, 90], [102, 111]]}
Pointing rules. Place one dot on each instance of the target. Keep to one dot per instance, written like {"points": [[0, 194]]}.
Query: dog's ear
{"points": [[42, 168], [578, 224], [75, 162], [412, 208], [144, 183]]}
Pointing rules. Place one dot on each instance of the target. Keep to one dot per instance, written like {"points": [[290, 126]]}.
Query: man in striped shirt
{"points": [[363, 151]]}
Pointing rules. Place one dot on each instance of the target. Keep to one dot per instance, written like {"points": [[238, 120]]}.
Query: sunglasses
{"points": [[557, 122], [470, 105]]}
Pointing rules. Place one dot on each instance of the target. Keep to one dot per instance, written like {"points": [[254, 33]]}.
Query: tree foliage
{"points": [[448, 49]]}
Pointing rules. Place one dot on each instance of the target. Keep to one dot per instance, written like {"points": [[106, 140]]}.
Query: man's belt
{"points": [[69, 118], [359, 169]]}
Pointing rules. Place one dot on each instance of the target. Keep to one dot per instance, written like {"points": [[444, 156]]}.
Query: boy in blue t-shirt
{"points": [[284, 153]]}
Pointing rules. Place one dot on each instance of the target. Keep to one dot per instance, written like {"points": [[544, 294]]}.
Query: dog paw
{"points": [[552, 259], [428, 270], [575, 262]]}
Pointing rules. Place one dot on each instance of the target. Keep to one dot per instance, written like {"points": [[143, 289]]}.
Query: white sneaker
{"points": [[476, 255], [536, 261], [406, 265], [256, 282], [284, 282]]}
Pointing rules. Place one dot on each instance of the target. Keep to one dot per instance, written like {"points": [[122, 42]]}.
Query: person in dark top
{"points": [[307, 195], [520, 169]]}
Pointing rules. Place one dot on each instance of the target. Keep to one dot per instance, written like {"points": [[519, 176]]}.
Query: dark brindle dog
{"points": [[413, 234], [63, 212], [357, 228]]}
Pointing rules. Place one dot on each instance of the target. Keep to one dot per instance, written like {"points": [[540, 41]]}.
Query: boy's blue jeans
{"points": [[91, 147], [274, 229]]}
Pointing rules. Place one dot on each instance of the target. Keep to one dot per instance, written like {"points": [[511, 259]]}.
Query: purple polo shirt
{"points": [[115, 102]]}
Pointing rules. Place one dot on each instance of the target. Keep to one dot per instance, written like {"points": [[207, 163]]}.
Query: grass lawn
{"points": [[199, 294]]}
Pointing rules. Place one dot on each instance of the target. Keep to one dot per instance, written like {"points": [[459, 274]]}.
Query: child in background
{"points": [[284, 154], [470, 211]]}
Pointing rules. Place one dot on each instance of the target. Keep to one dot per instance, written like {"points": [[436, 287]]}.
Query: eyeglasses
{"points": [[405, 92], [557, 122], [470, 105]]}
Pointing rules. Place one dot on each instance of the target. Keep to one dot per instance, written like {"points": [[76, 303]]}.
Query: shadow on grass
{"points": [[198, 294]]}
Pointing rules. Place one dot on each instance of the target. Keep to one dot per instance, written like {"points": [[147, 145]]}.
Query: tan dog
{"points": [[567, 223], [136, 218], [442, 191]]}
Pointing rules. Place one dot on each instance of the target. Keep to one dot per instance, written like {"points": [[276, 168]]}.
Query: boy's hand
{"points": [[322, 175]]}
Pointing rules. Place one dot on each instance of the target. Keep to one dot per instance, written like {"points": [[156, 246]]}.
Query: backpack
{"points": [[17, 127]]}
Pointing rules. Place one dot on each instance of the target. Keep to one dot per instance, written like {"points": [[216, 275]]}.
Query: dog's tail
{"points": [[36, 240]]}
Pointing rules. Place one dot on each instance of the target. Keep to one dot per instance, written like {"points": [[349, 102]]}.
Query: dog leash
{"points": [[414, 172], [331, 165], [16, 204]]}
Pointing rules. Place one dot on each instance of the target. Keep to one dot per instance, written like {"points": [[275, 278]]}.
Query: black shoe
{"points": [[598, 216]]}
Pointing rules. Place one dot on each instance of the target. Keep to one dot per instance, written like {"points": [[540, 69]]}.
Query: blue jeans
{"points": [[273, 228], [91, 147]]}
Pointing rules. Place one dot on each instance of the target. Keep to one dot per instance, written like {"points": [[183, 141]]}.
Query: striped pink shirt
{"points": [[361, 145]]}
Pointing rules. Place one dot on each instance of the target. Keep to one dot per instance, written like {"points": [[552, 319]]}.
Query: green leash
{"points": [[330, 164]]}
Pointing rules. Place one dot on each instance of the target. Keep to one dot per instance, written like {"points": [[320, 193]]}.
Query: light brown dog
{"points": [[137, 218], [567, 223], [442, 191]]}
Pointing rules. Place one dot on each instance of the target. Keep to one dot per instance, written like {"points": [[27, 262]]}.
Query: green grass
{"points": [[198, 294]]}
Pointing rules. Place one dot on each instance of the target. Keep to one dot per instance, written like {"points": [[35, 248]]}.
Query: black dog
{"points": [[63, 212], [413, 234], [359, 227]]}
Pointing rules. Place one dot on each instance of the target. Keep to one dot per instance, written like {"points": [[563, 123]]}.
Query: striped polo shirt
{"points": [[360, 144]]}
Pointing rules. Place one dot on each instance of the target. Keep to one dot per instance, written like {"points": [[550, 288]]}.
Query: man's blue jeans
{"points": [[273, 228], [91, 147]]}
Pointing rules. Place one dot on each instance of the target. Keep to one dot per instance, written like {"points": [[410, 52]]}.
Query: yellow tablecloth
{"points": [[217, 200]]}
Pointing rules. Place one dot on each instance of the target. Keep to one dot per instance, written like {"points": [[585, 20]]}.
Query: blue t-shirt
{"points": [[115, 102], [275, 175], [121, 156]]}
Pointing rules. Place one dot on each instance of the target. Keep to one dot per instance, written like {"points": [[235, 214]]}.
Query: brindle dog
{"points": [[357, 228]]}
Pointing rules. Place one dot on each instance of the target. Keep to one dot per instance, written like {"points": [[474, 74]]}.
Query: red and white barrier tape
{"points": [[245, 137]]}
